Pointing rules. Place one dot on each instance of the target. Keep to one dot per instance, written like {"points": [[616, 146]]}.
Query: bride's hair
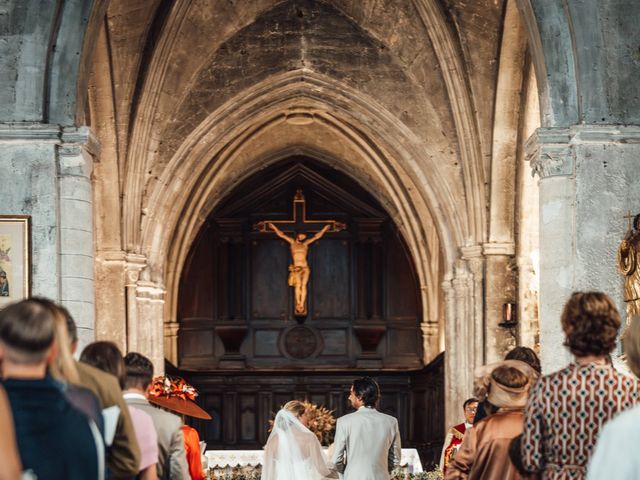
{"points": [[295, 406]]}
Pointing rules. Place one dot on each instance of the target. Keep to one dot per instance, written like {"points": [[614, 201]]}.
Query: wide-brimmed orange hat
{"points": [[174, 394]]}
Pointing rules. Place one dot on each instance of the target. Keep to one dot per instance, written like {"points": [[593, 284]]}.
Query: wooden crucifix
{"points": [[299, 270]]}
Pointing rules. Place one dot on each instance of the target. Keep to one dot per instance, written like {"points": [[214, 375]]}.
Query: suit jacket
{"points": [[367, 445], [172, 457], [123, 457]]}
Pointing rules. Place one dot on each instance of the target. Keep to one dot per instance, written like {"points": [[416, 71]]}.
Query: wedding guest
{"points": [[54, 439], [10, 467], [107, 357], [482, 374], [615, 455], [566, 409], [172, 458], [176, 395], [63, 369], [454, 437], [484, 451], [123, 455]]}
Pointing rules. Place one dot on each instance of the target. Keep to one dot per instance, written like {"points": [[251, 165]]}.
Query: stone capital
{"points": [[134, 264], [499, 248], [76, 140], [551, 151], [471, 251]]}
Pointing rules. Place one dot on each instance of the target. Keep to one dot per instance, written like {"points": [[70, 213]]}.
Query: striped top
{"points": [[564, 414]]}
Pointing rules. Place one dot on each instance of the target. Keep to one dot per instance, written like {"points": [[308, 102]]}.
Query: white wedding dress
{"points": [[293, 452]]}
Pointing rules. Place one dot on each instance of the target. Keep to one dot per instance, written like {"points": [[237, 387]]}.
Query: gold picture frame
{"points": [[15, 258]]}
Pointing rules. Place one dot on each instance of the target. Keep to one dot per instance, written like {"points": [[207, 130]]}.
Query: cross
{"points": [[299, 222], [629, 217]]}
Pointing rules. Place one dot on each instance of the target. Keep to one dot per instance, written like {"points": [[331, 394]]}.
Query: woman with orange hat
{"points": [[175, 394]]}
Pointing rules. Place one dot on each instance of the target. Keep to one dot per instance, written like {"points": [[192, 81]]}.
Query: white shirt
{"points": [[616, 453]]}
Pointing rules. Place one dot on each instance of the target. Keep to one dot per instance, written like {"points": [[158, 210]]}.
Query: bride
{"points": [[292, 451]]}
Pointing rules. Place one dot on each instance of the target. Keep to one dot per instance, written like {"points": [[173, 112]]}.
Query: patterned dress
{"points": [[564, 414]]}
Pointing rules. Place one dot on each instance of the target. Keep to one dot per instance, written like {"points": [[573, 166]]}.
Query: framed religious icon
{"points": [[15, 258]]}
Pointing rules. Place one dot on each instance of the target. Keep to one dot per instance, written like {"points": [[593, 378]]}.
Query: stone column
{"points": [[46, 175], [588, 181], [464, 348], [145, 311], [499, 290], [75, 164]]}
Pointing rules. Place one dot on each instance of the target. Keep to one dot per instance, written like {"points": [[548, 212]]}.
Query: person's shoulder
{"points": [[139, 416], [387, 417], [91, 374], [167, 418], [626, 424], [460, 427], [104, 385]]}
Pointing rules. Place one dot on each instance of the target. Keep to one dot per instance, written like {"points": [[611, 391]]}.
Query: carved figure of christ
{"points": [[299, 271]]}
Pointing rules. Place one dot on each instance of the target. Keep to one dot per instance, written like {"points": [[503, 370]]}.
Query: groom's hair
{"points": [[367, 390]]}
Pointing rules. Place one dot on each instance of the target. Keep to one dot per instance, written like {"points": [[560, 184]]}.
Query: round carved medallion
{"points": [[300, 342]]}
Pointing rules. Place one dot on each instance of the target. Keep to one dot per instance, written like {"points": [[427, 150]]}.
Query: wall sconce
{"points": [[509, 315]]}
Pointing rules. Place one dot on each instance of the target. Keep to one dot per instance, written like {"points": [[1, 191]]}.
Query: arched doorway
{"points": [[239, 340]]}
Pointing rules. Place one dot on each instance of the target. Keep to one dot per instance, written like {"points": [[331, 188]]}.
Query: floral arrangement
{"points": [[168, 386], [433, 475], [321, 422]]}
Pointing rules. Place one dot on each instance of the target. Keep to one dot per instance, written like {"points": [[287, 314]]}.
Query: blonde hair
{"points": [[63, 368], [631, 342], [296, 407]]}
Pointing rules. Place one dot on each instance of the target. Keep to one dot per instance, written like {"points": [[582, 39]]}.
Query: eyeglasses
{"points": [[471, 409]]}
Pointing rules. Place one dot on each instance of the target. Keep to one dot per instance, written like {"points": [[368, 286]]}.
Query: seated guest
{"points": [[615, 455], [484, 454], [566, 409], [173, 393], [454, 437], [55, 440], [123, 455], [107, 357], [172, 458]]}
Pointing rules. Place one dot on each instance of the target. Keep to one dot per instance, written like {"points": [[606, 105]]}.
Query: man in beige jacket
{"points": [[367, 442]]}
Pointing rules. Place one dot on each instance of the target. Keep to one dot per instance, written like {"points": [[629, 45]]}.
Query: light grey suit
{"points": [[172, 457], [367, 445]]}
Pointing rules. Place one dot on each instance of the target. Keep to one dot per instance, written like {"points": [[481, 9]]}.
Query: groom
{"points": [[367, 442]]}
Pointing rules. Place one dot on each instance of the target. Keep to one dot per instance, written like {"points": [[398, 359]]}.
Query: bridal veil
{"points": [[293, 452]]}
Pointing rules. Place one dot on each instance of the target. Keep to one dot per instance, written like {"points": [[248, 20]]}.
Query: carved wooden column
{"points": [[231, 326], [369, 328]]}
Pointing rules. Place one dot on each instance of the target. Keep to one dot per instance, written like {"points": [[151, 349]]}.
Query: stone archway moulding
{"points": [[202, 161], [424, 206]]}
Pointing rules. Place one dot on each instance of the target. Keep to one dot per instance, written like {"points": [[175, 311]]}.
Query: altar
{"points": [[247, 461]]}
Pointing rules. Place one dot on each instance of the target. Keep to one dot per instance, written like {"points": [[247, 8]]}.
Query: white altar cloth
{"points": [[410, 459]]}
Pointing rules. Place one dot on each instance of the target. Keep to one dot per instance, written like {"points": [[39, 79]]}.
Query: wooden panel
{"points": [[250, 400], [266, 343], [196, 343], [335, 342], [248, 409], [196, 286], [330, 279], [401, 293], [269, 289]]}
